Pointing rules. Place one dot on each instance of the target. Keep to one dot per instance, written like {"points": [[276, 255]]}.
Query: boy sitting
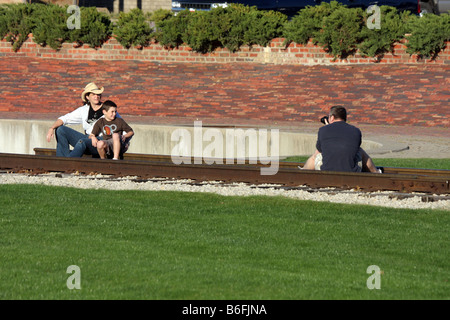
{"points": [[112, 129]]}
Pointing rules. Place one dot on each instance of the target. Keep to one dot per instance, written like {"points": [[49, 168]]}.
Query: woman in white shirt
{"points": [[87, 115]]}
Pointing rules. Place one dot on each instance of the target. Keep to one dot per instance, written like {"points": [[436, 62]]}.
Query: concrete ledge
{"points": [[22, 136]]}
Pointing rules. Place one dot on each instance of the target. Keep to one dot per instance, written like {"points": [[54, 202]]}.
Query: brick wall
{"points": [[274, 53]]}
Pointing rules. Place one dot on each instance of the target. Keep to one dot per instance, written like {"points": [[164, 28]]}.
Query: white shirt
{"points": [[80, 116]]}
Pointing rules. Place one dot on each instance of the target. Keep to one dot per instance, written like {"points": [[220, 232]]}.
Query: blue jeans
{"points": [[80, 142], [84, 146]]}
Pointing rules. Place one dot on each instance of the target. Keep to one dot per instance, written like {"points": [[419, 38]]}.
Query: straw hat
{"points": [[91, 87]]}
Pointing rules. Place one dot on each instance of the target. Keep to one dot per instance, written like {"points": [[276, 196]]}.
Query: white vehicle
{"points": [[435, 6]]}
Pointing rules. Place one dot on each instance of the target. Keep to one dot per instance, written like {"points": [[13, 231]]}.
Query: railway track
{"points": [[283, 164], [402, 180]]}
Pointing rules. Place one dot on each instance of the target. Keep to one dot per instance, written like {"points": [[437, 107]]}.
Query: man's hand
{"points": [[325, 120]]}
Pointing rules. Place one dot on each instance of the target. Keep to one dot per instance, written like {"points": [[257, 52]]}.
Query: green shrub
{"points": [[50, 25], [230, 27], [169, 30], [133, 29], [393, 27], [3, 23], [17, 23], [341, 32], [159, 15], [96, 28], [204, 30], [155, 18], [263, 26], [429, 35], [309, 22], [220, 27]]}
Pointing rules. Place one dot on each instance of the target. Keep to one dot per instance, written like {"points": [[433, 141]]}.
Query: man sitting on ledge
{"points": [[338, 147]]}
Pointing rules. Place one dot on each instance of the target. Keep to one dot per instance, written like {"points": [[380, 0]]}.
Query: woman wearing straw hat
{"points": [[87, 115]]}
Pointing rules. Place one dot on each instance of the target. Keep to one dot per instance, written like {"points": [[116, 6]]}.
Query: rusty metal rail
{"points": [[286, 176], [282, 164]]}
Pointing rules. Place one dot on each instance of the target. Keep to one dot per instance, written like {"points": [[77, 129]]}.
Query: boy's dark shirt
{"points": [[106, 127], [339, 143]]}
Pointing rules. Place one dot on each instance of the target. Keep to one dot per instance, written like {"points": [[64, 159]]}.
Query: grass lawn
{"points": [[174, 245]]}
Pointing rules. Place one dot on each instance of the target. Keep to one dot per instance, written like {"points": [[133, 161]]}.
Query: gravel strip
{"points": [[236, 189]]}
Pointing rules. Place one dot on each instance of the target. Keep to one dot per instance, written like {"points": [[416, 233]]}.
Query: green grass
{"points": [[174, 245], [422, 163]]}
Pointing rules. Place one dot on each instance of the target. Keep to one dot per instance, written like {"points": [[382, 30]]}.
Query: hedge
{"points": [[341, 31]]}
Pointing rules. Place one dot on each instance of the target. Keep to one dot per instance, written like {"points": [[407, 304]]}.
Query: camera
{"points": [[324, 120]]}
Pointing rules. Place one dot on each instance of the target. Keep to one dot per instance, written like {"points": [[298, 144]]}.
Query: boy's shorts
{"points": [[318, 161], [123, 146]]}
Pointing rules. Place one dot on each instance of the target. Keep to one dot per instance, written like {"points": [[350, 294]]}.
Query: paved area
{"points": [[406, 107]]}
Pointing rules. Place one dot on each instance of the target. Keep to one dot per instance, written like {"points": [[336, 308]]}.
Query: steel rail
{"points": [[228, 173], [282, 164]]}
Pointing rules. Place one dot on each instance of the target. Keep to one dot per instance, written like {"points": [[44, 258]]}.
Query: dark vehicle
{"points": [[291, 7]]}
